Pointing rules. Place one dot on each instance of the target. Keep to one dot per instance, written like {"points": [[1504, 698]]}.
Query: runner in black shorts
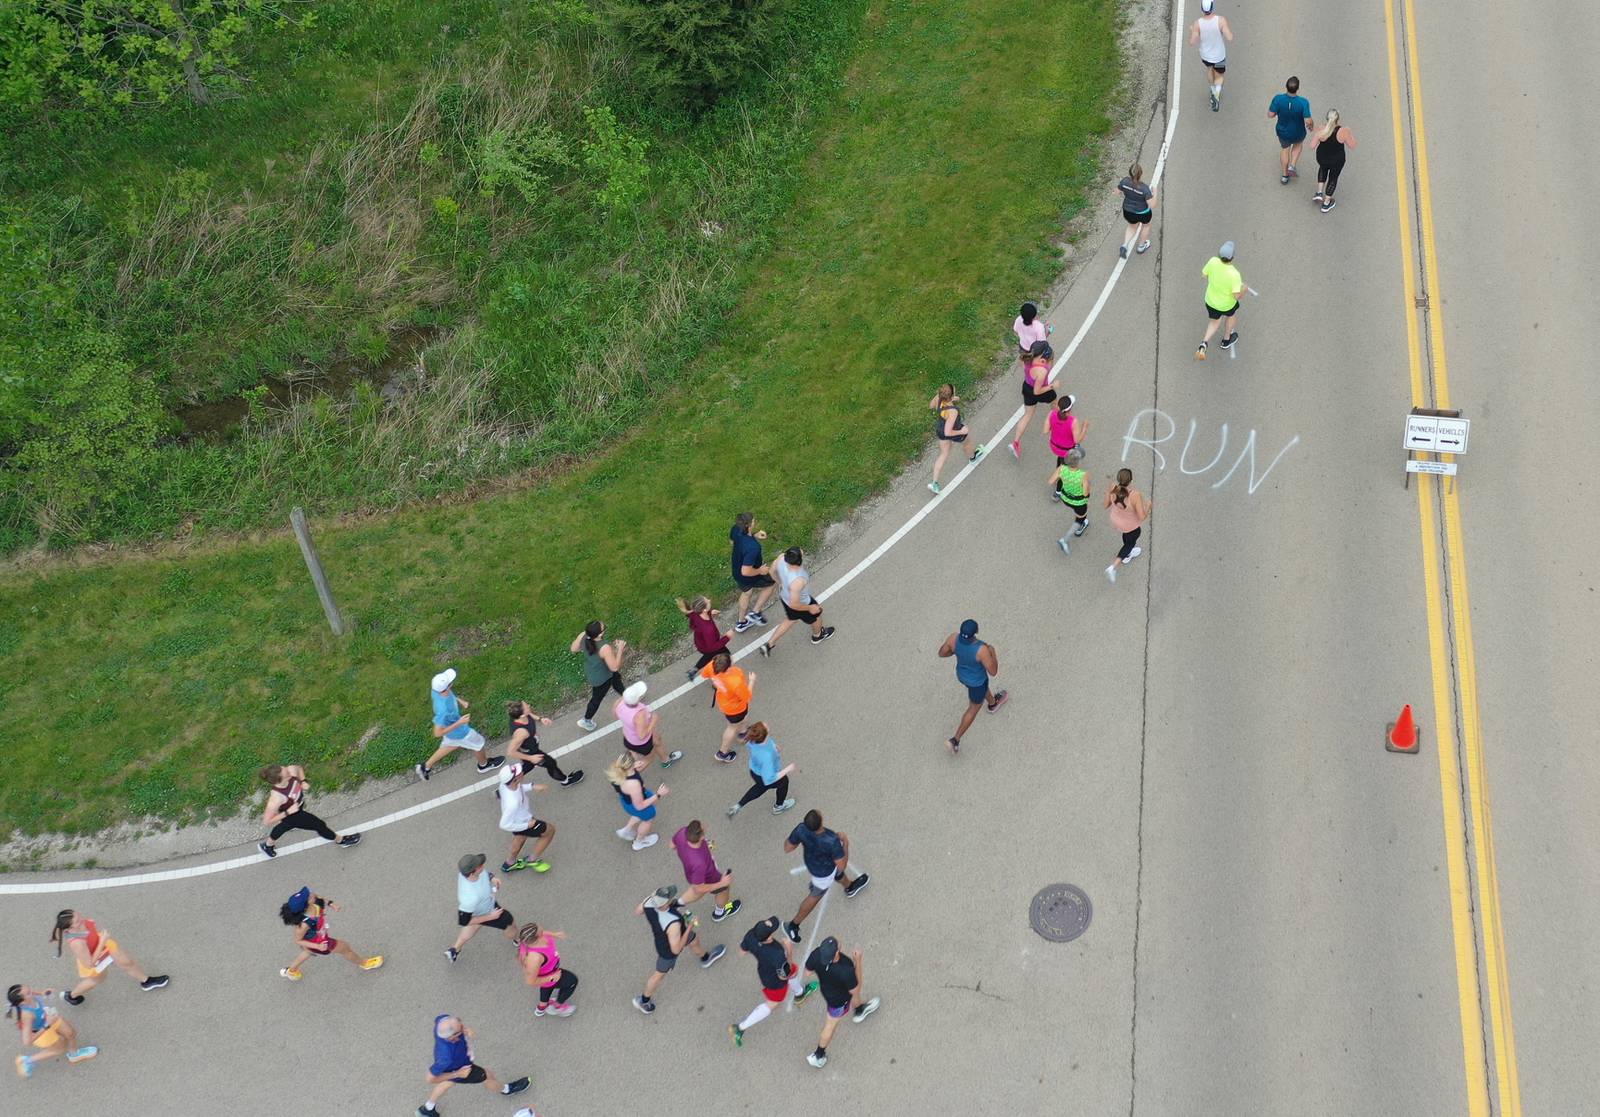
{"points": [[750, 574], [476, 903], [1036, 388], [798, 604]]}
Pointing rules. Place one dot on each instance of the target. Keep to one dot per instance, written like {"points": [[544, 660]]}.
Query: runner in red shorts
{"points": [[775, 968]]}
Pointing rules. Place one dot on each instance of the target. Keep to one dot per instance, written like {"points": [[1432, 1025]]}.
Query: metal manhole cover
{"points": [[1061, 912]]}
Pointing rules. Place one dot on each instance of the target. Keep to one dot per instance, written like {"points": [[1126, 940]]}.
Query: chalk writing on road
{"points": [[1166, 429]]}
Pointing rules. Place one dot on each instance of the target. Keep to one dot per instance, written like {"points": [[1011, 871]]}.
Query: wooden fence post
{"points": [[297, 519]]}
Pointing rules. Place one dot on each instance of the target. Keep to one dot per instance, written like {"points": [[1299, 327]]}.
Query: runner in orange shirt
{"points": [[733, 699]]}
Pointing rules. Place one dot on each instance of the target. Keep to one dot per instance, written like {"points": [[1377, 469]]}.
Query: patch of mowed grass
{"points": [[962, 134]]}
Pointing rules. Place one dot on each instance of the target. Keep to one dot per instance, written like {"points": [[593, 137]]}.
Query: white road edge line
{"points": [[163, 875]]}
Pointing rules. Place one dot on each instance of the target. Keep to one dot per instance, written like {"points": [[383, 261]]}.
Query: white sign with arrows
{"points": [[1436, 434]]}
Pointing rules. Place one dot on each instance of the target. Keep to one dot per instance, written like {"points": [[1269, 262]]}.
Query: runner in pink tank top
{"points": [[541, 966]]}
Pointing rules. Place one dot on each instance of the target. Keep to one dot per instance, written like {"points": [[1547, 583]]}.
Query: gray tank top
{"points": [[786, 577], [595, 671]]}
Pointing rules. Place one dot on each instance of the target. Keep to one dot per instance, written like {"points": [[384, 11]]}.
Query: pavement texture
{"points": [[1197, 746]]}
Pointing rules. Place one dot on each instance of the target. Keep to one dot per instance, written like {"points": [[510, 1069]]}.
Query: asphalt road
{"points": [[1197, 746]]}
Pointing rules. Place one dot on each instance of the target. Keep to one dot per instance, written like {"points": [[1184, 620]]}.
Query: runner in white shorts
{"points": [[450, 727]]}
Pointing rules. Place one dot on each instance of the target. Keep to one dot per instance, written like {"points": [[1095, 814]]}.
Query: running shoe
{"points": [[66, 995], [516, 1087], [1215, 104], [1292, 172], [1144, 246], [1016, 449], [744, 625], [24, 1066], [539, 866], [999, 700], [1062, 543], [761, 619], [1122, 251], [691, 674], [540, 1010], [562, 1011], [1283, 180], [452, 953], [865, 1010], [423, 771], [491, 764], [1200, 353], [1317, 197], [644, 1005], [977, 455], [765, 650], [585, 724], [154, 982], [736, 1034], [291, 973], [735, 809], [1083, 526], [645, 842], [1329, 204], [1111, 573], [711, 959], [350, 840], [786, 805], [266, 849], [372, 963], [810, 988], [722, 912], [1135, 553], [672, 758], [81, 1054], [793, 931], [817, 1060], [1227, 342], [573, 778], [933, 487], [825, 633], [513, 866], [625, 834], [955, 746], [857, 885], [725, 757]]}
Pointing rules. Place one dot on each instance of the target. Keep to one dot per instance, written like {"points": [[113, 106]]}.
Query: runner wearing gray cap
{"points": [[839, 978], [975, 663], [673, 935], [1223, 288], [450, 727], [478, 903]]}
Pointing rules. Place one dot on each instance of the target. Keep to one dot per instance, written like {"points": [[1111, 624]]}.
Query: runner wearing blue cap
{"points": [[307, 913], [975, 664]]}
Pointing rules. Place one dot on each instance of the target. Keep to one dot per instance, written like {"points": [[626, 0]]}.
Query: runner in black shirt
{"points": [[840, 980], [775, 968]]}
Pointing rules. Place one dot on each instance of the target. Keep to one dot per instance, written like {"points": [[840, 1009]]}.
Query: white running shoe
{"points": [[1135, 553], [646, 842], [1111, 573], [625, 834], [586, 725]]}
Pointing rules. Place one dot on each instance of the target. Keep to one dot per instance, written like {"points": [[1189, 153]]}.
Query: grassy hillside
{"points": [[960, 138]]}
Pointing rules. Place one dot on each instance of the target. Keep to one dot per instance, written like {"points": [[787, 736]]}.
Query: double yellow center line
{"points": [[1494, 986]]}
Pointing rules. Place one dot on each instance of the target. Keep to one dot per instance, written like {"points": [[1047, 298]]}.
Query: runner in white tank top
{"points": [[1212, 35]]}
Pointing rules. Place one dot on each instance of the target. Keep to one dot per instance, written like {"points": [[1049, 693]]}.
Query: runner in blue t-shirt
{"points": [[827, 858], [1293, 115], [453, 1065]]}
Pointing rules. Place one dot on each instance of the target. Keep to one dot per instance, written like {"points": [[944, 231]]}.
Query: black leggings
{"points": [[302, 820], [1328, 178], [707, 657], [548, 764], [1129, 538], [560, 991], [599, 692], [758, 789]]}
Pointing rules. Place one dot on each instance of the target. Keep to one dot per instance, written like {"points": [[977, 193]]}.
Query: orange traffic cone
{"points": [[1403, 735]]}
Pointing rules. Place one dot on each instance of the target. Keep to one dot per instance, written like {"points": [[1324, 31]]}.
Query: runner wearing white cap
{"points": [[641, 726], [450, 726], [1212, 35]]}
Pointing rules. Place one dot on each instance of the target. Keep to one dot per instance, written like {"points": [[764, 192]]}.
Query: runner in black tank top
{"points": [[1332, 140], [285, 809]]}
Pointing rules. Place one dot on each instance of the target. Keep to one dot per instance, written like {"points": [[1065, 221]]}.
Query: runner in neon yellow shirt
{"points": [[1223, 288]]}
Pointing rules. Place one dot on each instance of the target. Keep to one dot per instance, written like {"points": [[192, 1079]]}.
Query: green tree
{"points": [[123, 52], [688, 53]]}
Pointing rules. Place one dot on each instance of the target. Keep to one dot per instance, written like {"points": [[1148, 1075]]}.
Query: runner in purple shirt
{"points": [[696, 852]]}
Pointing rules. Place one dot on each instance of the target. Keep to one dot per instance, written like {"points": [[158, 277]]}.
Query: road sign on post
{"points": [[1433, 431], [308, 549]]}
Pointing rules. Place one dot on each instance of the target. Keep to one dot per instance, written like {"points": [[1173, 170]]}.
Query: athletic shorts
{"points": [[324, 948], [90, 971], [1030, 397], [472, 742], [801, 614], [776, 995], [1287, 144], [1219, 67], [820, 885], [536, 830], [641, 750], [837, 1011], [1138, 218], [1081, 511], [505, 920], [664, 965], [735, 719], [52, 1035], [646, 815], [1213, 313], [474, 1076], [979, 693], [755, 582]]}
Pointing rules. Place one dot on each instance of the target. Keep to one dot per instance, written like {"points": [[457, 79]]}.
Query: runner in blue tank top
{"points": [[975, 663]]}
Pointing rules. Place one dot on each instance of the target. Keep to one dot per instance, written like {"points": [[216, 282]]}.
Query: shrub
{"points": [[688, 53]]}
